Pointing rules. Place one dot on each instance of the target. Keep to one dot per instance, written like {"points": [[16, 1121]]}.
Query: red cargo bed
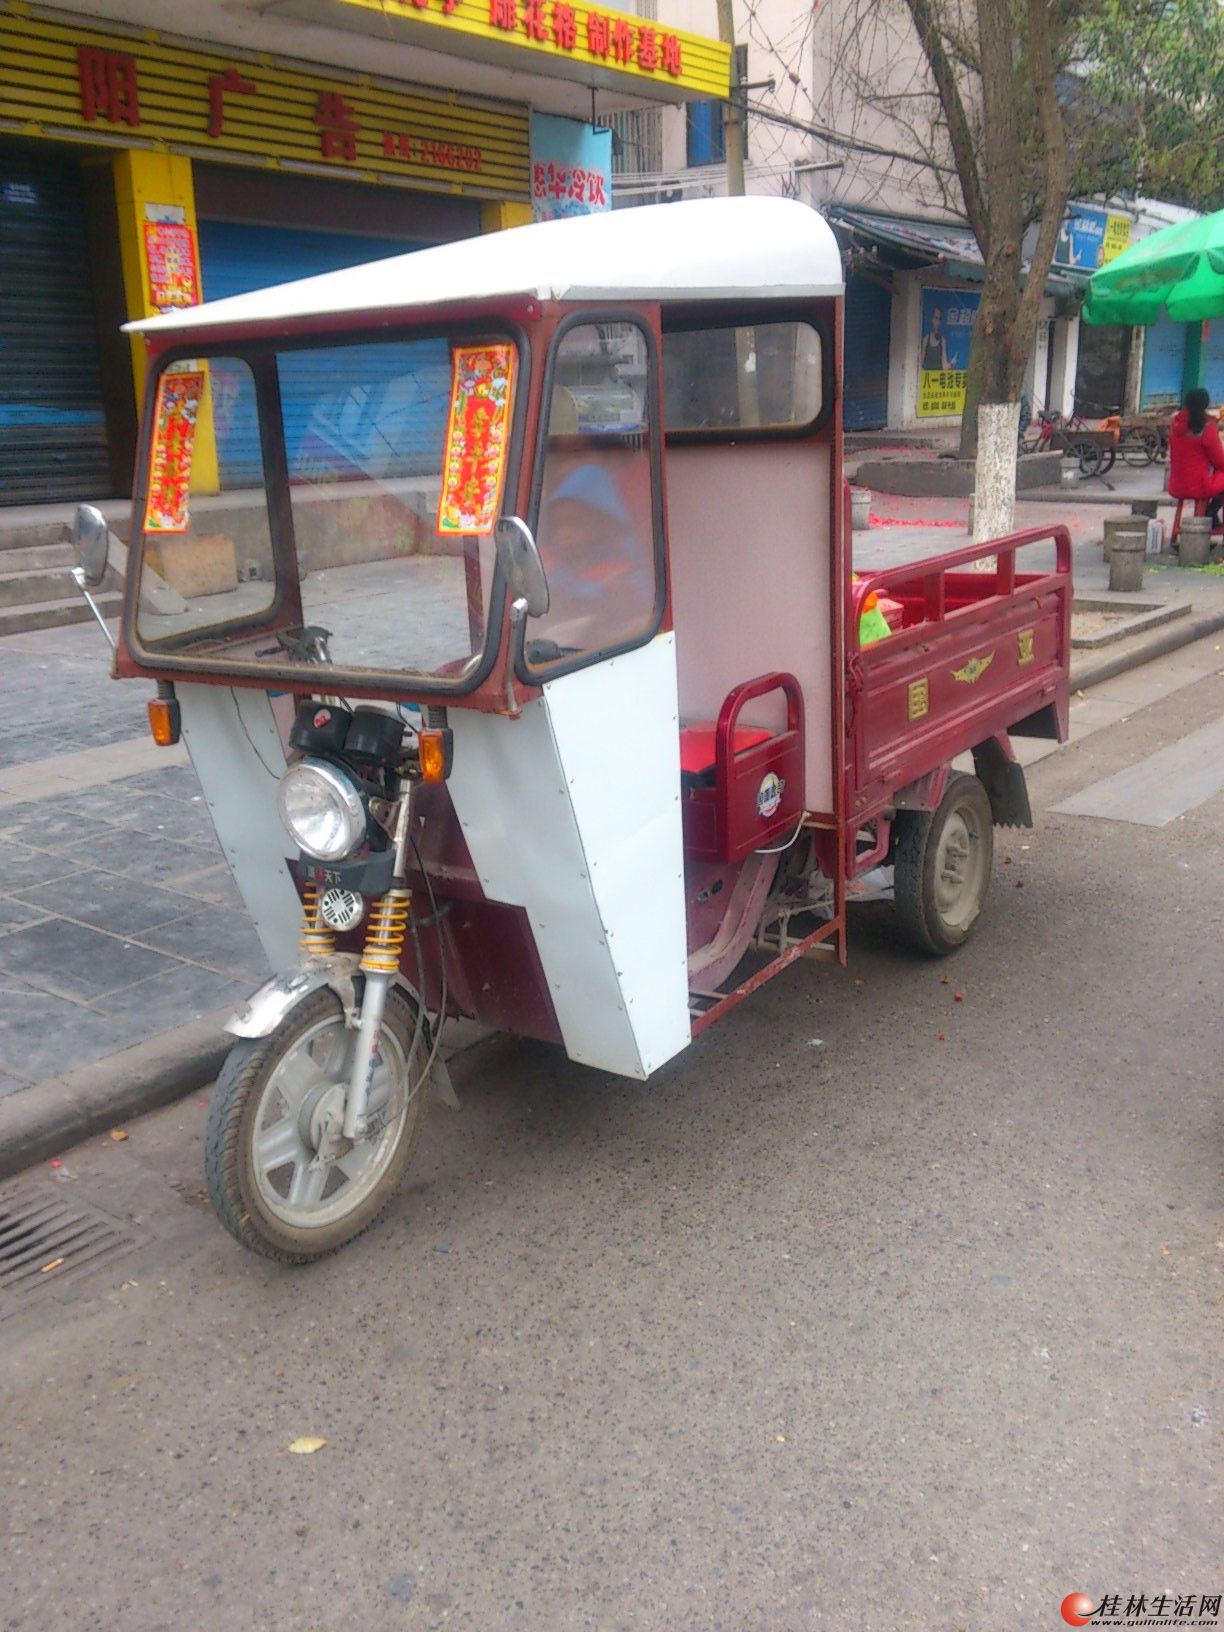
{"points": [[978, 654]]}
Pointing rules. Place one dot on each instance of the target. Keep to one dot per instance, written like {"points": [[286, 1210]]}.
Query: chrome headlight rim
{"points": [[348, 807]]}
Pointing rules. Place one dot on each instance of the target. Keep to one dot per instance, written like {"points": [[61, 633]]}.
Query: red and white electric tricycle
{"points": [[520, 658]]}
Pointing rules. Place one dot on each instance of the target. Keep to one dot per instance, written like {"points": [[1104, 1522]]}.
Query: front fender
{"points": [[260, 1015]]}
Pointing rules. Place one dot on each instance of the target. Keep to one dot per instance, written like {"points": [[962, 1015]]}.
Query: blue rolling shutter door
{"points": [[236, 258], [1213, 360], [52, 427], [1164, 357], [868, 319]]}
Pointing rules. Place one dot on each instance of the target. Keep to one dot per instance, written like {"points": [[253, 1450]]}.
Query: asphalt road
{"points": [[878, 1309]]}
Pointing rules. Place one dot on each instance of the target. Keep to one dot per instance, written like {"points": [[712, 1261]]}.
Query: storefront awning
{"points": [[908, 244]]}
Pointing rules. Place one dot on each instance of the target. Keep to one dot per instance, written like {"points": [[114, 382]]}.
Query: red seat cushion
{"points": [[697, 745]]}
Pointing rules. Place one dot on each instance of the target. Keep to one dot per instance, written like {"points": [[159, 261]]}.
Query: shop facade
{"points": [[140, 172]]}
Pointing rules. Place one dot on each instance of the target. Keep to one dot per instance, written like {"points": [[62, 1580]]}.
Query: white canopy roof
{"points": [[702, 249]]}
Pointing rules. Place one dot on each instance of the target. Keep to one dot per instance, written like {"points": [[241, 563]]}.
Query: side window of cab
{"points": [[596, 520]]}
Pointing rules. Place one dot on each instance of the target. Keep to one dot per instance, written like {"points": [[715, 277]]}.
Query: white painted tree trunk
{"points": [[994, 491]]}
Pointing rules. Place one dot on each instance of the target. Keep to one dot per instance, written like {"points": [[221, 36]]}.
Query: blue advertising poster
{"points": [[571, 167], [1089, 238], [943, 351]]}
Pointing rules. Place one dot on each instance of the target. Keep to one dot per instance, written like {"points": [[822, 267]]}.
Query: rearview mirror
{"points": [[91, 543], [519, 558]]}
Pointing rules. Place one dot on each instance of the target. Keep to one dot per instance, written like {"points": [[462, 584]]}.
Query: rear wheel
{"points": [[282, 1177], [1091, 458], [1142, 448], [942, 862]]}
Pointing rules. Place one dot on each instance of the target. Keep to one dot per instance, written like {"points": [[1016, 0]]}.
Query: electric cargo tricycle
{"points": [[502, 595]]}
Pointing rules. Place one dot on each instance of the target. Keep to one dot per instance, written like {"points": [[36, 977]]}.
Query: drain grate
{"points": [[47, 1240]]}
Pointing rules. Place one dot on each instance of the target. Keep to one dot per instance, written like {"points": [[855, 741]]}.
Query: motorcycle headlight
{"points": [[322, 810]]}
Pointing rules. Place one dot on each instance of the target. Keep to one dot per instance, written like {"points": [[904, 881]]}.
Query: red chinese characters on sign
{"points": [[477, 437], [617, 38], [400, 144], [218, 85], [338, 127], [174, 427], [581, 186], [170, 254], [108, 86], [565, 26]]}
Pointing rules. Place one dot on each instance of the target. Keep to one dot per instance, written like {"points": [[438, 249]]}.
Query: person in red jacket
{"points": [[1196, 455]]}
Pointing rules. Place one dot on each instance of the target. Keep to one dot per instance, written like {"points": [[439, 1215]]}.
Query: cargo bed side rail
{"points": [[980, 653]]}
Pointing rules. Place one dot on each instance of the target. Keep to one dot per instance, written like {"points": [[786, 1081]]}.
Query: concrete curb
{"points": [[1171, 638], [39, 1122]]}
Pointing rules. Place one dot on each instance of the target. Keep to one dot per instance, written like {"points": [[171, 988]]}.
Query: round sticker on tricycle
{"points": [[769, 795]]}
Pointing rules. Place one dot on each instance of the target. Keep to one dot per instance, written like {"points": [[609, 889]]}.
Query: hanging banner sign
{"points": [[571, 167], [477, 439], [174, 273], [174, 426], [943, 351]]}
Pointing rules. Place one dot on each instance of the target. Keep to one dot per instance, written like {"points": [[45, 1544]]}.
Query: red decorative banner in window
{"points": [[174, 428], [477, 439]]}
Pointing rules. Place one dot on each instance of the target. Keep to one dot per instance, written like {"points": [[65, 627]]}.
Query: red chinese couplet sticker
{"points": [[477, 437], [174, 427], [174, 276]]}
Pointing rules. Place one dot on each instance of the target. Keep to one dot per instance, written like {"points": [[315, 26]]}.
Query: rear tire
{"points": [[942, 865], [282, 1180], [1090, 458]]}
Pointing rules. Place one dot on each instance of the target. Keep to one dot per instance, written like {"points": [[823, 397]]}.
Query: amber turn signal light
{"points": [[435, 749], [165, 721]]}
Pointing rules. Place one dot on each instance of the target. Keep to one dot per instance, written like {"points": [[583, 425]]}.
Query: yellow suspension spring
{"points": [[317, 939], [385, 935]]}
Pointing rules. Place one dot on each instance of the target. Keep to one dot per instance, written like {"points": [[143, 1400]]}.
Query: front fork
{"points": [[380, 961]]}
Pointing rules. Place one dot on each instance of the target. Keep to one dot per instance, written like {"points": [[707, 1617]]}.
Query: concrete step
{"points": [[37, 558], [30, 535], [42, 584], [20, 620]]}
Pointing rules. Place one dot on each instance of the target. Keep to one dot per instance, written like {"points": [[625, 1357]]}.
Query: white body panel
{"points": [[236, 749], [572, 812], [751, 562], [702, 249]]}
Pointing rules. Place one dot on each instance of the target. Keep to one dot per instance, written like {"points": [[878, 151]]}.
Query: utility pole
{"points": [[733, 113]]}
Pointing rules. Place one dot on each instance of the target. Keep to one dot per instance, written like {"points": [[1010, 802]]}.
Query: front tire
{"points": [[283, 1180], [942, 865]]}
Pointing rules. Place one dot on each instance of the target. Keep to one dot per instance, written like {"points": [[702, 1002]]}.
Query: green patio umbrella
{"points": [[1178, 270]]}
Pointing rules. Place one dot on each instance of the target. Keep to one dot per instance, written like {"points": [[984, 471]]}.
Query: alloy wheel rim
{"points": [[297, 1186]]}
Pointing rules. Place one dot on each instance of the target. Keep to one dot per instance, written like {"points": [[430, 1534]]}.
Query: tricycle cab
{"points": [[636, 775]]}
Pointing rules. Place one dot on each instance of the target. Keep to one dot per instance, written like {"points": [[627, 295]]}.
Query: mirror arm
{"points": [[518, 617], [79, 579]]}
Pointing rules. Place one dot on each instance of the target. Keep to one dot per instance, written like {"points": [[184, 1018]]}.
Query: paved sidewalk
{"points": [[119, 923], [118, 917]]}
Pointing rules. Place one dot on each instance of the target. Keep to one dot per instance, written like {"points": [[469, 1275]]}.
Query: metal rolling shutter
{"points": [[236, 258], [1213, 360], [52, 426], [1164, 358], [868, 320]]}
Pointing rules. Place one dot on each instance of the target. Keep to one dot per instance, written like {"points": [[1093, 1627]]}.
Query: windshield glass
{"points": [[369, 546]]}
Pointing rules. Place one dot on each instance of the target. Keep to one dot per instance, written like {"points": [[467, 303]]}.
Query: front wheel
{"points": [[282, 1177], [942, 864]]}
